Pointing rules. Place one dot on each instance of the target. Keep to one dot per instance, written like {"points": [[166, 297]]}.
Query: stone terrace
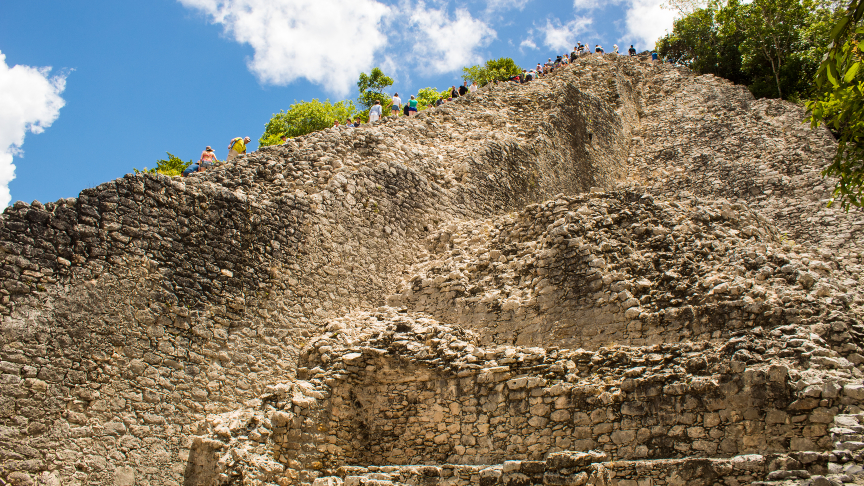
{"points": [[403, 390]]}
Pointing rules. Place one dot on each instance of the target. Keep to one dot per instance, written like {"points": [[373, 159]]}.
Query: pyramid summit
{"points": [[620, 274]]}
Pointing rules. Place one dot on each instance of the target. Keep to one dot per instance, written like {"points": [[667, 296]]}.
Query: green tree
{"points": [[428, 96], [840, 105], [493, 70], [371, 88], [696, 41], [772, 46], [815, 37], [772, 34], [174, 166], [305, 117]]}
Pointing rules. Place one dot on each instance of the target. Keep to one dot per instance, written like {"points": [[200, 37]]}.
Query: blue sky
{"points": [[129, 81]]}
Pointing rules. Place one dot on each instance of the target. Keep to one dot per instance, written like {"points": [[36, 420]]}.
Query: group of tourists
{"points": [[543, 69], [411, 107], [208, 159]]}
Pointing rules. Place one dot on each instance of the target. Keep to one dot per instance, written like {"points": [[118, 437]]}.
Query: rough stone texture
{"points": [[621, 257]]}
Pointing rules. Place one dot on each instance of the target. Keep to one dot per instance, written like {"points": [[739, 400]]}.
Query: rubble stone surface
{"points": [[620, 274]]}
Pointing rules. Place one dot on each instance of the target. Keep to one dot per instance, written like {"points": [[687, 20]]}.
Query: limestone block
{"points": [[560, 415], [124, 476], [855, 392], [538, 421], [623, 436], [328, 481], [776, 417], [802, 444]]}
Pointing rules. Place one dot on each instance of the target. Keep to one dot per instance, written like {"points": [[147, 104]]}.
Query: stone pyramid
{"points": [[620, 274]]}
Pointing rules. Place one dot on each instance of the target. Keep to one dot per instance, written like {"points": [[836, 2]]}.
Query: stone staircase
{"points": [[843, 463], [807, 468]]}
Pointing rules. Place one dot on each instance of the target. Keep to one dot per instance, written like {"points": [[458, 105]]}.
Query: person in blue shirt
{"points": [[653, 55], [191, 170]]}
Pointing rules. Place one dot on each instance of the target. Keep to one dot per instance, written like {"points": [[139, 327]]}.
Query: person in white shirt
{"points": [[375, 112], [473, 86], [397, 104]]}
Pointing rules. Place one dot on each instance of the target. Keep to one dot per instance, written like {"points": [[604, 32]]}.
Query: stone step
{"points": [[594, 469], [851, 469], [811, 481], [780, 475], [852, 445]]}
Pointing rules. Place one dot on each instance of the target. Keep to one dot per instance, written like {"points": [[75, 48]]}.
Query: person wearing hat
{"points": [[208, 158], [237, 147]]}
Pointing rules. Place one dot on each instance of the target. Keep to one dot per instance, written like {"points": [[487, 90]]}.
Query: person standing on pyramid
{"points": [[397, 105], [237, 147], [208, 158], [375, 112]]}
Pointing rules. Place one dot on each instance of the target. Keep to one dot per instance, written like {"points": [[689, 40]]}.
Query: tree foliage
{"points": [[772, 46], [683, 7], [305, 117], [493, 70], [840, 105], [772, 35], [428, 96], [371, 87], [174, 166], [696, 41]]}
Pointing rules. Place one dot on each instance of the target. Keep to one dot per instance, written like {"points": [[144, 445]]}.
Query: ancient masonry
{"points": [[622, 274]]}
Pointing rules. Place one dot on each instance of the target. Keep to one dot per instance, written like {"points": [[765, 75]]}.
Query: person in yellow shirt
{"points": [[237, 147]]}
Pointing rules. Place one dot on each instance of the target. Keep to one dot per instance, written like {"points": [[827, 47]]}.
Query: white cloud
{"points": [[559, 36], [645, 22], [588, 4], [498, 5], [29, 101], [529, 43], [592, 4], [328, 42], [446, 45]]}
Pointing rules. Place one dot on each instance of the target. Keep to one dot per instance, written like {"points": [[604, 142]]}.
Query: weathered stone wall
{"points": [[416, 417], [522, 403]]}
